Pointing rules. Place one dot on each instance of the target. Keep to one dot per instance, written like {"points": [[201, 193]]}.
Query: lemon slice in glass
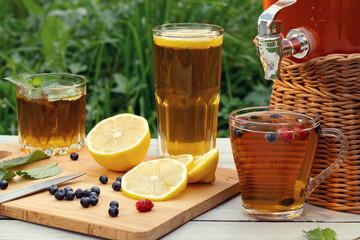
{"points": [[156, 180], [186, 159], [119, 143], [205, 167]]}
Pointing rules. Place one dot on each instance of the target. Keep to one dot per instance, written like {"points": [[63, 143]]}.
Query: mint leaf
{"points": [[40, 172], [36, 82], [37, 155], [321, 234], [6, 175], [20, 80]]}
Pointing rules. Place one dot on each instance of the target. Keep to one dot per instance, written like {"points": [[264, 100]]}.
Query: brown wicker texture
{"points": [[330, 86]]}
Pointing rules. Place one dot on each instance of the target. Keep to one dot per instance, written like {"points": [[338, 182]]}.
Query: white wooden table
{"points": [[225, 221]]}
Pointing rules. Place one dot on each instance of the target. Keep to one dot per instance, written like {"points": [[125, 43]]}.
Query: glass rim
{"points": [[171, 27], [315, 119], [83, 82]]}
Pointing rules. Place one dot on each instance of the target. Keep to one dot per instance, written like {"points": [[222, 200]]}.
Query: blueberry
{"points": [[103, 179], [70, 195], [53, 189], [287, 201], [114, 203], [271, 137], [300, 119], [74, 156], [3, 184], [85, 202], [118, 178], [68, 189], [92, 194], [96, 190], [79, 193], [86, 192], [238, 132], [253, 117], [116, 186], [275, 115], [113, 211], [60, 194], [93, 200]]}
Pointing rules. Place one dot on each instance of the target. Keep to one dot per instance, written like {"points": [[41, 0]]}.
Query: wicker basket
{"points": [[330, 86]]}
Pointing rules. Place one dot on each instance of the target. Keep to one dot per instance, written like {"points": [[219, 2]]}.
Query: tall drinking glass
{"points": [[187, 64], [51, 112]]}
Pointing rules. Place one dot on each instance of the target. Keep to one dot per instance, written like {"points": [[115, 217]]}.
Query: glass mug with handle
{"points": [[273, 149]]}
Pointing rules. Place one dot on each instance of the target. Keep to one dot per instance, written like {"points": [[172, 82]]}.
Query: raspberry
{"points": [[242, 118], [285, 135], [301, 133], [144, 205]]}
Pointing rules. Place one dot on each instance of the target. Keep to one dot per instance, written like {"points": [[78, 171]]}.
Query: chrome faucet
{"points": [[271, 44]]}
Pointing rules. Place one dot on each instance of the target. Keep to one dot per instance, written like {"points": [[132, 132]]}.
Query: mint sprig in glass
{"points": [[51, 112]]}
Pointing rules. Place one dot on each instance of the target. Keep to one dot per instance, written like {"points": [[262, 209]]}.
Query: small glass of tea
{"points": [[273, 149], [51, 112]]}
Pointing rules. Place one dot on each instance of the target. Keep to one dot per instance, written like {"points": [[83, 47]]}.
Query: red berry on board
{"points": [[144, 205], [301, 133], [285, 134]]}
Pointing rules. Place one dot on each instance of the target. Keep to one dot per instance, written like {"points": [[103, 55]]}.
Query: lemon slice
{"points": [[186, 159], [156, 180], [205, 167], [212, 40], [120, 142]]}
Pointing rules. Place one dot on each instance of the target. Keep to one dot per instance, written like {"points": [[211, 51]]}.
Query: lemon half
{"points": [[205, 167], [120, 142], [156, 180]]}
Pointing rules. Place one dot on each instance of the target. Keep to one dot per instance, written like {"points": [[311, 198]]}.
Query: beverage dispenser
{"points": [[310, 49]]}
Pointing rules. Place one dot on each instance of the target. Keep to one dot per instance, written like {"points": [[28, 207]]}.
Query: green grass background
{"points": [[110, 42]]}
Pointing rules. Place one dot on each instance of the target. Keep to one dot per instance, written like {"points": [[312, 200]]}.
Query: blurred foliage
{"points": [[110, 42]]}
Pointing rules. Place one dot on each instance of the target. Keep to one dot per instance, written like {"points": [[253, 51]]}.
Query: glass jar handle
{"points": [[329, 132]]}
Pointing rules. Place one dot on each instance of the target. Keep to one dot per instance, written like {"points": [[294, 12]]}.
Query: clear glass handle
{"points": [[329, 132]]}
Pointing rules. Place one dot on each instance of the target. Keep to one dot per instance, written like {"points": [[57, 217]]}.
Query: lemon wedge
{"points": [[186, 159], [156, 180], [120, 142], [205, 167]]}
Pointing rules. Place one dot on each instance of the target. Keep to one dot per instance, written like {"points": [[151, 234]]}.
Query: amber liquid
{"points": [[58, 126], [187, 91], [273, 176]]}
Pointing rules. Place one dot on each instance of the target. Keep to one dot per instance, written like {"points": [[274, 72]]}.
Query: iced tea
{"points": [[273, 149], [52, 116], [273, 153], [187, 59]]}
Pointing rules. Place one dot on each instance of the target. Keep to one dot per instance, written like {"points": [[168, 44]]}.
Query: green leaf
{"points": [[20, 80], [6, 175], [35, 156], [321, 234], [41, 172], [36, 82]]}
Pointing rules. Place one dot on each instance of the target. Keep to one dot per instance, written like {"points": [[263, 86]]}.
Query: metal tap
{"points": [[271, 44]]}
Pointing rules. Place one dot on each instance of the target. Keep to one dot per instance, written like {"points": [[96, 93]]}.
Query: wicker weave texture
{"points": [[330, 86]]}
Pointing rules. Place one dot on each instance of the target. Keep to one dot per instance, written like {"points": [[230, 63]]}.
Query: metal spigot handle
{"points": [[266, 26]]}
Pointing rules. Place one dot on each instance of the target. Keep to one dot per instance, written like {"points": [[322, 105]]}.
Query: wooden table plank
{"points": [[223, 222]]}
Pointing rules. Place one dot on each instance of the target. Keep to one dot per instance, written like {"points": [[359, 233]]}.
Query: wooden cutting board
{"points": [[43, 208]]}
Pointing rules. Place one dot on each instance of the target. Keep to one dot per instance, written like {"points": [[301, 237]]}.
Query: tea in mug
{"points": [[273, 153]]}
